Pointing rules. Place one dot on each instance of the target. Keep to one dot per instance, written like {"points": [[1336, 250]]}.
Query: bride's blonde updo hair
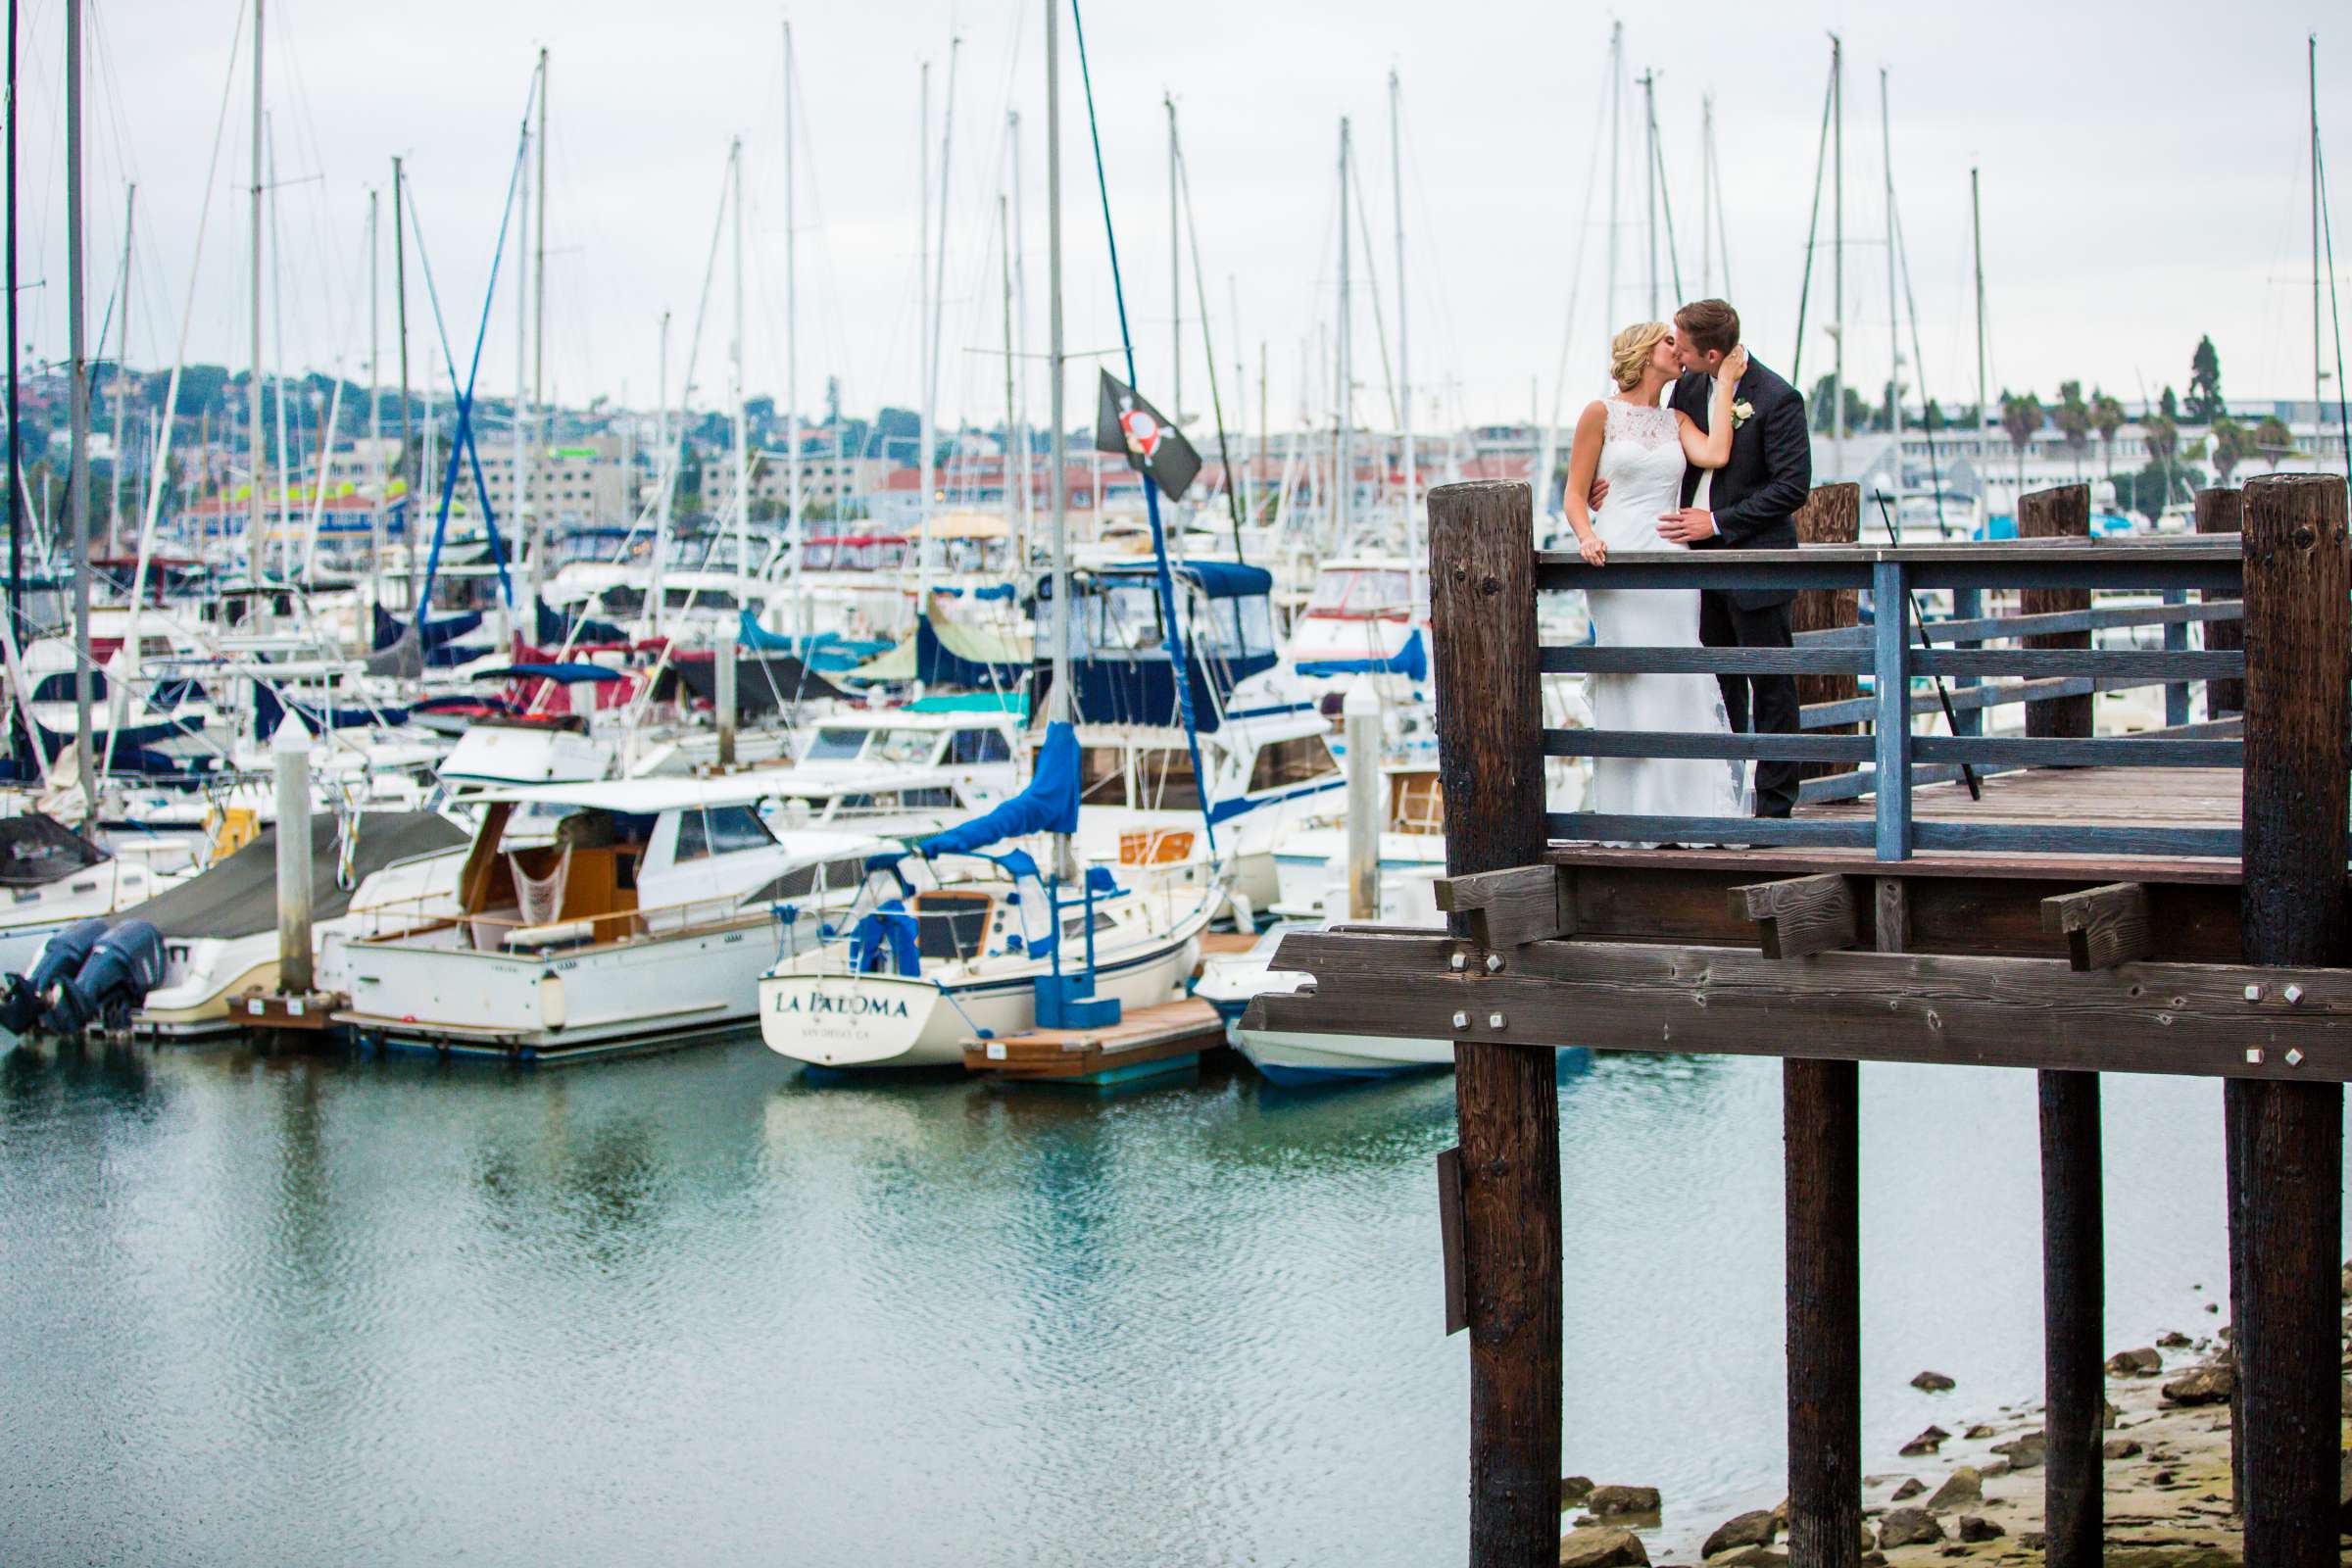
{"points": [[1629, 351]]}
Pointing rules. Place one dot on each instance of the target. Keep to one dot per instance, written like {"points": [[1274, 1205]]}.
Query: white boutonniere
{"points": [[1742, 412]]}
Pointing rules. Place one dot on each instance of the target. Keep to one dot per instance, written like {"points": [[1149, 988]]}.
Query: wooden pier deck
{"points": [[2172, 901], [1146, 1042]]}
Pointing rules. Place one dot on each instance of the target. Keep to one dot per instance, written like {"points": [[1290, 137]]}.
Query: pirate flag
{"points": [[1154, 448]]}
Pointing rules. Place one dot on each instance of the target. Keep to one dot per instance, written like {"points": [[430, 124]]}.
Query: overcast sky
{"points": [[2145, 166]]}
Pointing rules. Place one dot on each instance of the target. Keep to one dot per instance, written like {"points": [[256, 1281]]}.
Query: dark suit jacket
{"points": [[1756, 494]]}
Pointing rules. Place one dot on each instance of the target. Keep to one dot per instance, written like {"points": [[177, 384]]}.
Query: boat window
{"points": [[836, 746], [1073, 926], [935, 798], [1291, 762], [1102, 776], [1128, 619], [980, 746], [905, 746], [951, 924], [720, 830], [1165, 779]]}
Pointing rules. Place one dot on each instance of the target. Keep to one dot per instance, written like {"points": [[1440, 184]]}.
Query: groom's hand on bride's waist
{"points": [[1687, 526]]}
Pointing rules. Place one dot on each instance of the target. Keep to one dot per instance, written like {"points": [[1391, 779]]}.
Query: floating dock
{"points": [[1147, 1043]]}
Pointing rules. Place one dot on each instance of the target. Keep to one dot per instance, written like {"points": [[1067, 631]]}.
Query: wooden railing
{"points": [[1900, 653]]}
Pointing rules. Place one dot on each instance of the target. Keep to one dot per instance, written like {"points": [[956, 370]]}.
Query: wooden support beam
{"points": [[1800, 916], [1512, 908], [1506, 1097], [2298, 660], [2103, 926], [2190, 1018], [2222, 512], [2060, 514], [2073, 1296]]}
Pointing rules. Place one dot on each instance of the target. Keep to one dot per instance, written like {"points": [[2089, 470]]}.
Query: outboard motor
{"points": [[126, 964], [61, 957]]}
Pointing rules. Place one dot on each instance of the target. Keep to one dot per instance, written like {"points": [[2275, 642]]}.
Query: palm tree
{"points": [[2073, 418], [2162, 437], [2232, 443], [2106, 417], [2274, 440], [2020, 416]]}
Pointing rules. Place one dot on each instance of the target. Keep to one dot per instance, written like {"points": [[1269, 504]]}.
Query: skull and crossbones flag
{"points": [[1154, 448]]}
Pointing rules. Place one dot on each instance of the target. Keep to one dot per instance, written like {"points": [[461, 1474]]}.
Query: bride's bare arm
{"points": [[1584, 461], [1711, 448]]}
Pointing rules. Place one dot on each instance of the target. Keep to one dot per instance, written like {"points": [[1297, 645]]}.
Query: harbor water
{"points": [[702, 1307]]}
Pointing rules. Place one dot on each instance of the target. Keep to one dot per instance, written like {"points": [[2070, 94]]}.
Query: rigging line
{"points": [[1216, 402], [2319, 413], [1181, 665], [1380, 326], [1919, 367], [1657, 153], [1805, 290], [1576, 284]]}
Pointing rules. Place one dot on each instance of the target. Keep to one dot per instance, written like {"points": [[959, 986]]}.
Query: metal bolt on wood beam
{"points": [[1462, 1020], [1495, 1020], [2253, 993], [1493, 964], [2294, 1057], [2254, 1055], [2294, 994], [1461, 960]]}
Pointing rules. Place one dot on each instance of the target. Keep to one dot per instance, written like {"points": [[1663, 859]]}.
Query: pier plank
{"points": [[1799, 915], [2103, 926]]}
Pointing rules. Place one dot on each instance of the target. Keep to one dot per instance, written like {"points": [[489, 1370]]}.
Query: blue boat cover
{"points": [[567, 674], [1047, 804], [887, 937], [556, 628], [1412, 661]]}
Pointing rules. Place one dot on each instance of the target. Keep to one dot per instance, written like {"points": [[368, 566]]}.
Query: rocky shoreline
{"points": [[1977, 1496]]}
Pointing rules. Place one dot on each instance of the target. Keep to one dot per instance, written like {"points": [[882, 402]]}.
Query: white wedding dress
{"points": [[1641, 458]]}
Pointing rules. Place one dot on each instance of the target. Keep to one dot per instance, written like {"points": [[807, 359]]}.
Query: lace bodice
{"points": [[1641, 458]]}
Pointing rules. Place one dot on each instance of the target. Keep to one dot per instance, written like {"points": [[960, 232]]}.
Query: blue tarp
{"points": [[1047, 804], [565, 674], [557, 628], [1218, 579], [268, 711], [887, 938], [828, 652], [433, 636], [937, 664], [1411, 661]]}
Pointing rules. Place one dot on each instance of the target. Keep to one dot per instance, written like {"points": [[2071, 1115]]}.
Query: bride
{"points": [[1639, 449]]}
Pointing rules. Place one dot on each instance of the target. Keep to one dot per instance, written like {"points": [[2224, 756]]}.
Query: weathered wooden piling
{"points": [[1490, 761], [1830, 516], [2222, 512], [290, 748], [722, 697], [1365, 814], [2060, 514], [2298, 646]]}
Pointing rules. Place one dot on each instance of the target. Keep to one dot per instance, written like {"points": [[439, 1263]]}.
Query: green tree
{"points": [[2106, 417], [2020, 416], [2232, 443], [2274, 440], [2072, 416], [2205, 404], [2169, 405], [2161, 435]]}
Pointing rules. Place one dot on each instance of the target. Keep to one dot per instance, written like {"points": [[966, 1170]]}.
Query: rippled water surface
{"points": [[700, 1308]]}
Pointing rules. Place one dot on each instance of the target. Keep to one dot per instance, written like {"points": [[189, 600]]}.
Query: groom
{"points": [[1748, 504]]}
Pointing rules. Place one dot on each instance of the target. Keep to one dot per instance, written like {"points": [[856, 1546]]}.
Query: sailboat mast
{"points": [[922, 336], [1175, 274], [1976, 233], [1020, 328], [256, 529], [375, 412], [1649, 82], [1058, 705], [1405, 358], [114, 496], [743, 455], [79, 414], [1895, 340], [1838, 259], [518, 525], [16, 477], [792, 324], [1609, 300], [1707, 194], [939, 284], [400, 331], [277, 330], [1344, 455], [538, 574], [1013, 516], [656, 593]]}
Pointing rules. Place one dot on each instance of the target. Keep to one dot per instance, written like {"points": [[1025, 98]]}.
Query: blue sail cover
{"points": [[1048, 803], [828, 652], [937, 664], [1122, 670], [555, 629], [1412, 661], [268, 711], [433, 636]]}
